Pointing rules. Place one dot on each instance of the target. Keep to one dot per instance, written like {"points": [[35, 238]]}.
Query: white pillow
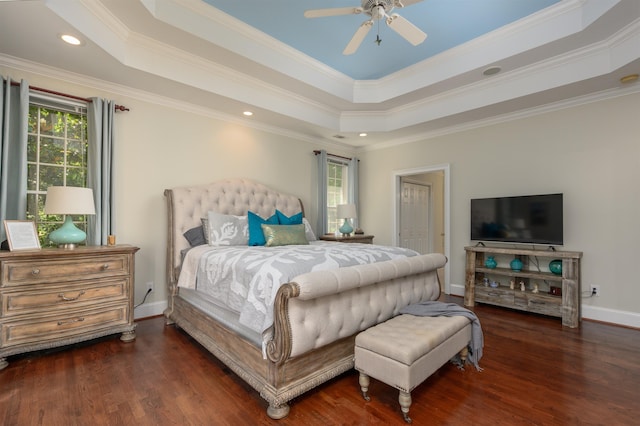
{"points": [[308, 232], [227, 230]]}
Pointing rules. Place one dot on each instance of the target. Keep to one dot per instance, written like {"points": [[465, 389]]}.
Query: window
{"points": [[337, 192], [56, 156]]}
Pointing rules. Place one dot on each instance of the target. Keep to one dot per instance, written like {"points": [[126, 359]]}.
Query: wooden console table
{"points": [[567, 306]]}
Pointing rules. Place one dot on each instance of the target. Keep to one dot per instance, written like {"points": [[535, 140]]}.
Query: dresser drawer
{"points": [[59, 327], [15, 272], [43, 299], [502, 296], [539, 303]]}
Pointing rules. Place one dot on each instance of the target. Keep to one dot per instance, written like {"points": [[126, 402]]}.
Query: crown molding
{"points": [[505, 118], [90, 84]]}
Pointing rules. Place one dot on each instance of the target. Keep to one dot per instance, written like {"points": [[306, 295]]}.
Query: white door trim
{"points": [[395, 217]]}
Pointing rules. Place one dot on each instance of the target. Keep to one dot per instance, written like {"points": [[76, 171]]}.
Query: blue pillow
{"points": [[283, 219], [256, 236]]}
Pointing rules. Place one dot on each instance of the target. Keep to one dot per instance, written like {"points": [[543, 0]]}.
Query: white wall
{"points": [[591, 153]]}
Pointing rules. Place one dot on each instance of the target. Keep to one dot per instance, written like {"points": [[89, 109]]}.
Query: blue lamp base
{"points": [[346, 228], [68, 235]]}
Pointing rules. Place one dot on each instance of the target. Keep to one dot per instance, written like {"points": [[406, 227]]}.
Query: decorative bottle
{"points": [[490, 262], [516, 265]]}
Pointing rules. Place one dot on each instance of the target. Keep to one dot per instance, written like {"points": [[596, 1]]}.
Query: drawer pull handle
{"points": [[71, 321], [35, 271], [105, 266], [70, 299]]}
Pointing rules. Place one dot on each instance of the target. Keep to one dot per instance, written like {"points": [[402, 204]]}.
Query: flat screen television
{"points": [[532, 219]]}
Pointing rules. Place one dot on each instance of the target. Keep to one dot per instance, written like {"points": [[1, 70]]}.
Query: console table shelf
{"points": [[533, 274]]}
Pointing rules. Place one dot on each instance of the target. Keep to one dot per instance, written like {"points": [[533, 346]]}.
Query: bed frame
{"points": [[316, 316]]}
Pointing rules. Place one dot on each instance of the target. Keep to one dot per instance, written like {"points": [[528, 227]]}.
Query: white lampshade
{"points": [[69, 200], [346, 211]]}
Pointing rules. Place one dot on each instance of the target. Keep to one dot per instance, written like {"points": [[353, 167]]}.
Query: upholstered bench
{"points": [[403, 351]]}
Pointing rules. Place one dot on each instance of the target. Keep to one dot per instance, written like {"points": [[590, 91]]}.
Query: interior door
{"points": [[415, 216]]}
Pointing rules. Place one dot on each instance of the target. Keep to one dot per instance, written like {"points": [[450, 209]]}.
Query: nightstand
{"points": [[55, 297], [353, 238]]}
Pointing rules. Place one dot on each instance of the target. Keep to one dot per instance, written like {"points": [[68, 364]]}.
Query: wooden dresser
{"points": [[54, 297]]}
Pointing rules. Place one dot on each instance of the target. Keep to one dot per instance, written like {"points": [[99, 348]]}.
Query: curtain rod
{"points": [[77, 98], [316, 152]]}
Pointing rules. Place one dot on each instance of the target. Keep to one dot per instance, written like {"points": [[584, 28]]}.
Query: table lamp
{"points": [[346, 212], [69, 200]]}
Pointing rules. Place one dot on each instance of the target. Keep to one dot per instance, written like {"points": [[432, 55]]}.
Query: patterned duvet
{"points": [[246, 279]]}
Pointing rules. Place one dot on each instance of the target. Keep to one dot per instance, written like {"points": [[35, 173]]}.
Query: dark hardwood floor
{"points": [[535, 373]]}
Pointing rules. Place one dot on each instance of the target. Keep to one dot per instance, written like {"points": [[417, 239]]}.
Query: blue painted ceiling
{"points": [[448, 23]]}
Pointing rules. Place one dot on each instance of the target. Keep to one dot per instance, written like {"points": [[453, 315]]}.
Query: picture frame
{"points": [[21, 235]]}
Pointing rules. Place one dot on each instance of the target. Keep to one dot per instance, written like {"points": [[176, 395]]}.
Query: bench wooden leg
{"points": [[464, 353], [364, 385], [404, 398]]}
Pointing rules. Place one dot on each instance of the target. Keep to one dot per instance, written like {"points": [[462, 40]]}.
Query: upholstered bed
{"points": [[316, 315]]}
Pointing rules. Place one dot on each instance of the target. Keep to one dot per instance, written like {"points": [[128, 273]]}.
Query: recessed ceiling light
{"points": [[248, 113], [629, 78], [67, 38], [492, 70], [363, 134]]}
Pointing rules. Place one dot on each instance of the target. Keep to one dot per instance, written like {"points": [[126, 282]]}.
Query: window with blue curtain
{"points": [[337, 184]]}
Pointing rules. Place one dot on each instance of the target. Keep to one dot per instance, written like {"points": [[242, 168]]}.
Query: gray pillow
{"points": [[195, 236], [227, 230]]}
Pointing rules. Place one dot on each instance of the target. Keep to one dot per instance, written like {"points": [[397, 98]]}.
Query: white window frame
{"points": [[44, 223]]}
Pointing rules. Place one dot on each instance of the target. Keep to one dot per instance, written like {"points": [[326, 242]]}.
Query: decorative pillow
{"points": [[195, 236], [205, 228], [284, 235], [227, 230], [283, 219], [256, 236], [308, 231]]}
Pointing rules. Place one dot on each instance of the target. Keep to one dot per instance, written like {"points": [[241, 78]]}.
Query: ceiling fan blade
{"points": [[357, 38], [405, 3], [321, 13], [406, 29]]}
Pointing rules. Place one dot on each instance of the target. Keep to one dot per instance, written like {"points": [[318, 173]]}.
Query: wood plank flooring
{"points": [[535, 373]]}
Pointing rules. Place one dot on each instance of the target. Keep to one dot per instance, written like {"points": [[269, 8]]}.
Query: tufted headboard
{"points": [[187, 205]]}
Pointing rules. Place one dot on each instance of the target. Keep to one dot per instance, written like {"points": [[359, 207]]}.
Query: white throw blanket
{"points": [[246, 279]]}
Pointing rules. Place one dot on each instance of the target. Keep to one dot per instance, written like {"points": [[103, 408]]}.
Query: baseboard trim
{"points": [[150, 309], [595, 313], [612, 316]]}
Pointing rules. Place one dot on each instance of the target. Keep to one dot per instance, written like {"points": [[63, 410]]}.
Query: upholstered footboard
{"points": [[318, 314]]}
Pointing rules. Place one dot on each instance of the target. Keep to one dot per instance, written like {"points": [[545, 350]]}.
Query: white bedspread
{"points": [[246, 279]]}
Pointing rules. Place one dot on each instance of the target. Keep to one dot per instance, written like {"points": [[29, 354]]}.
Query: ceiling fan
{"points": [[377, 10]]}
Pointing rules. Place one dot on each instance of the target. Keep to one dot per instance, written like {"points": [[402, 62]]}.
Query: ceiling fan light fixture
{"points": [[377, 11]]}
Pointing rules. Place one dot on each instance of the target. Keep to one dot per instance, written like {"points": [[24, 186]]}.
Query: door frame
{"points": [[395, 217]]}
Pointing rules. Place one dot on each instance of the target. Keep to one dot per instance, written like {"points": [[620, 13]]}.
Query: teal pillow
{"points": [[283, 219], [256, 236], [284, 235]]}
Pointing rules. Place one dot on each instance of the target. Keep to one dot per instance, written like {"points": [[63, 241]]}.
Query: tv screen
{"points": [[533, 219]]}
